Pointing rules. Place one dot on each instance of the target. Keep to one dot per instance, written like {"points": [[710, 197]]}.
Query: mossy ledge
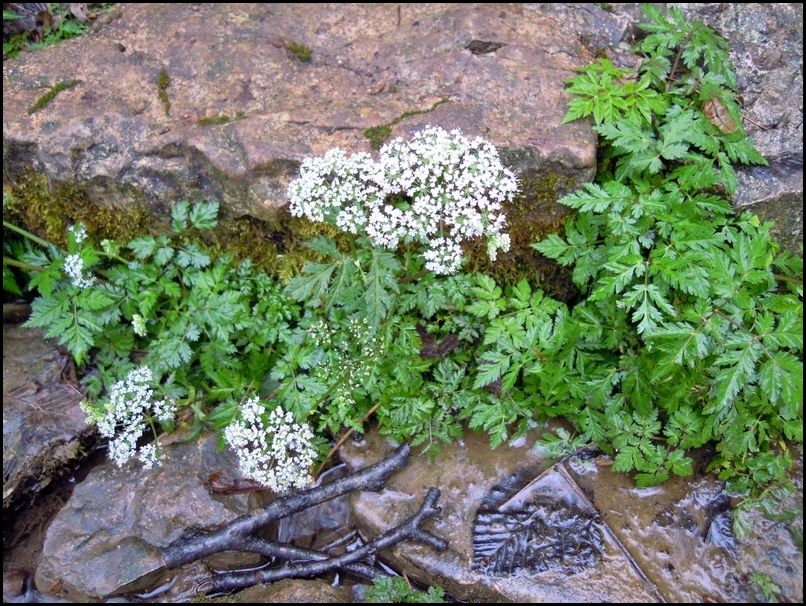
{"points": [[378, 135], [531, 216], [278, 247], [47, 209], [50, 95]]}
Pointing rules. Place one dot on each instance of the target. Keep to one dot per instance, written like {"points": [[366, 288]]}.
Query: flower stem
{"points": [[27, 234]]}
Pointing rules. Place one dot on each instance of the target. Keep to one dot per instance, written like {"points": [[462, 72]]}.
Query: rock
{"points": [[767, 51], [681, 536], [43, 426], [510, 539], [290, 591], [109, 535], [209, 101]]}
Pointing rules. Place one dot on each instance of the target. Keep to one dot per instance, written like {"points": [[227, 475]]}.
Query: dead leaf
{"points": [[719, 116]]}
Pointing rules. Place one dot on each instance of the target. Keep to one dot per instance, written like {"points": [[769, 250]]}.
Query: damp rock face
{"points": [[109, 535], [516, 530], [681, 535], [43, 426], [766, 43], [223, 102]]}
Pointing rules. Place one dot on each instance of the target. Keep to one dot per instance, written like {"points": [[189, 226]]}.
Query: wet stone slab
{"points": [[681, 535], [43, 426], [518, 530], [108, 538]]}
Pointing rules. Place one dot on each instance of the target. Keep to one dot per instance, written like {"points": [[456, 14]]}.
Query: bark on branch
{"points": [[410, 529], [237, 535]]}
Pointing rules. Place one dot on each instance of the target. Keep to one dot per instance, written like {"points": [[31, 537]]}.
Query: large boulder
{"points": [[222, 102]]}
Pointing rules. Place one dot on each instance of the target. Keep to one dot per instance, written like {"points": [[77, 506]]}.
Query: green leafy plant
{"points": [[691, 330], [396, 590], [204, 327], [47, 27]]}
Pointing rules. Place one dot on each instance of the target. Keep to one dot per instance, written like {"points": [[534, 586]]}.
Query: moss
{"points": [[300, 51], [277, 247], [378, 135], [220, 119], [163, 82], [212, 121], [532, 216], [49, 96], [47, 210]]}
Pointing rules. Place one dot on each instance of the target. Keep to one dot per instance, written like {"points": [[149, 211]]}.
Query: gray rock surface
{"points": [[109, 535], [681, 535], [290, 591], [43, 426], [495, 71]]}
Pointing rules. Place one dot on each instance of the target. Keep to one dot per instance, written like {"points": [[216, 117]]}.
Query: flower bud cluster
{"points": [[124, 419], [278, 453], [439, 189], [74, 268]]}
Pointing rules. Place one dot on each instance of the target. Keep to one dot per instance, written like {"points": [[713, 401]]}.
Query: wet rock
{"points": [[681, 535], [43, 426], [108, 536], [236, 111], [514, 534], [296, 591]]}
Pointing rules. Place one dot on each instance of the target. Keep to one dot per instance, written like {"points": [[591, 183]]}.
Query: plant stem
{"points": [[27, 234], [342, 440], [21, 265]]}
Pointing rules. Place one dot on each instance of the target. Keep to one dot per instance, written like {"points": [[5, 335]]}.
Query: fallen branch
{"points": [[409, 530], [287, 552], [233, 536], [237, 535]]}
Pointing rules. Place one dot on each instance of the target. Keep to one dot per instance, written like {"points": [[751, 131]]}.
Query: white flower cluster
{"points": [[279, 454], [124, 421], [79, 232], [74, 268], [438, 189]]}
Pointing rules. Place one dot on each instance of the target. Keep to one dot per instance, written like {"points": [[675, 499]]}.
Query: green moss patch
{"points": [[49, 96], [163, 82], [300, 51], [378, 135]]}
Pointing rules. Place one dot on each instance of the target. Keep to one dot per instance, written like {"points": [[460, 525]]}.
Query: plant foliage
{"points": [[692, 326]]}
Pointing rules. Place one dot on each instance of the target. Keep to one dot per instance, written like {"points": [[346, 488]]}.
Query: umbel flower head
{"points": [[438, 189], [276, 453], [123, 419]]}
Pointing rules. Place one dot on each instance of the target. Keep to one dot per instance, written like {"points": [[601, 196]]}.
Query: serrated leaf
{"points": [[204, 215], [143, 247], [491, 366], [311, 285], [179, 216]]}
